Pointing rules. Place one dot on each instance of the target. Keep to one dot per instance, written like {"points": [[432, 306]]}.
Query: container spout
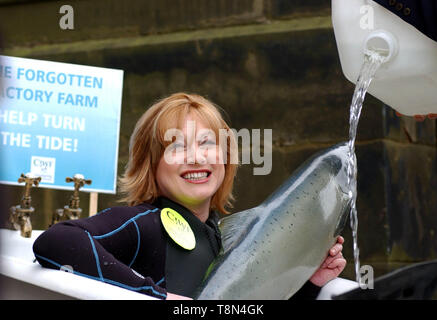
{"points": [[382, 42], [407, 80]]}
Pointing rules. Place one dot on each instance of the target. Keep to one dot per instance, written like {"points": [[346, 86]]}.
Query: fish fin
{"points": [[234, 226]]}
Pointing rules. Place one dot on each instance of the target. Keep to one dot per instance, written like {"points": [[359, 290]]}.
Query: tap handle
{"points": [[29, 179], [79, 181], [37, 181], [22, 178]]}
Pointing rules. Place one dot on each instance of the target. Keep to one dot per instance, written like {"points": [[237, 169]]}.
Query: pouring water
{"points": [[372, 61]]}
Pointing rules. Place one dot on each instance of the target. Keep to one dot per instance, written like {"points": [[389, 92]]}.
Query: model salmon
{"points": [[270, 251]]}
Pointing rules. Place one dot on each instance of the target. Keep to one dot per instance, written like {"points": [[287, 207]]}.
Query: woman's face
{"points": [[191, 170]]}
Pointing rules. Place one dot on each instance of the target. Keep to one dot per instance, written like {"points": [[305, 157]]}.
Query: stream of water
{"points": [[372, 61]]}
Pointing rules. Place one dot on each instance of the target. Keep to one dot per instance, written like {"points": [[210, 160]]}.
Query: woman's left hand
{"points": [[332, 266]]}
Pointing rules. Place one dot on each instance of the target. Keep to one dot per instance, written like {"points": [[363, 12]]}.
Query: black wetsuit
{"points": [[128, 247]]}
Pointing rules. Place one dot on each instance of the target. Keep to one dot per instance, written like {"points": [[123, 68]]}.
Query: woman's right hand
{"points": [[172, 296], [420, 117]]}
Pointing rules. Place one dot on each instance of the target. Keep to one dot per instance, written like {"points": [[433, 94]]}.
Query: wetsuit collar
{"points": [[163, 202], [193, 221]]}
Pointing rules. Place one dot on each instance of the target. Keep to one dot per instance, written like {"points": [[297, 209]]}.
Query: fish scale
{"points": [[270, 251]]}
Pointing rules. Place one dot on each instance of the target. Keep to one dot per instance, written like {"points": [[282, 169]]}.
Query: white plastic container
{"points": [[407, 82]]}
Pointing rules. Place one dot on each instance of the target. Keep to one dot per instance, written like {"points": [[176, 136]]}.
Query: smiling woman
{"points": [[195, 178], [162, 243], [193, 117]]}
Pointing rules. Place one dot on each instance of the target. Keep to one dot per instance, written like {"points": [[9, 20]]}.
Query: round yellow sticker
{"points": [[178, 228]]}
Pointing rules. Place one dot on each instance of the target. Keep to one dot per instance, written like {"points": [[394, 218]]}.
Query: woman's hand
{"points": [[420, 117], [332, 266]]}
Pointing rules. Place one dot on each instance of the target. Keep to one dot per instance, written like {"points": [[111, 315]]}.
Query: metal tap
{"points": [[72, 211], [19, 216]]}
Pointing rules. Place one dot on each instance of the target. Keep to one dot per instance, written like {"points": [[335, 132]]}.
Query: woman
{"points": [[178, 177]]}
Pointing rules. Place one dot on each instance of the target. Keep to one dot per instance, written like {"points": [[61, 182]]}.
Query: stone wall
{"points": [[270, 64]]}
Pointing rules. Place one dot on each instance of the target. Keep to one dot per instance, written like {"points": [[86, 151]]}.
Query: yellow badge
{"points": [[178, 228]]}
